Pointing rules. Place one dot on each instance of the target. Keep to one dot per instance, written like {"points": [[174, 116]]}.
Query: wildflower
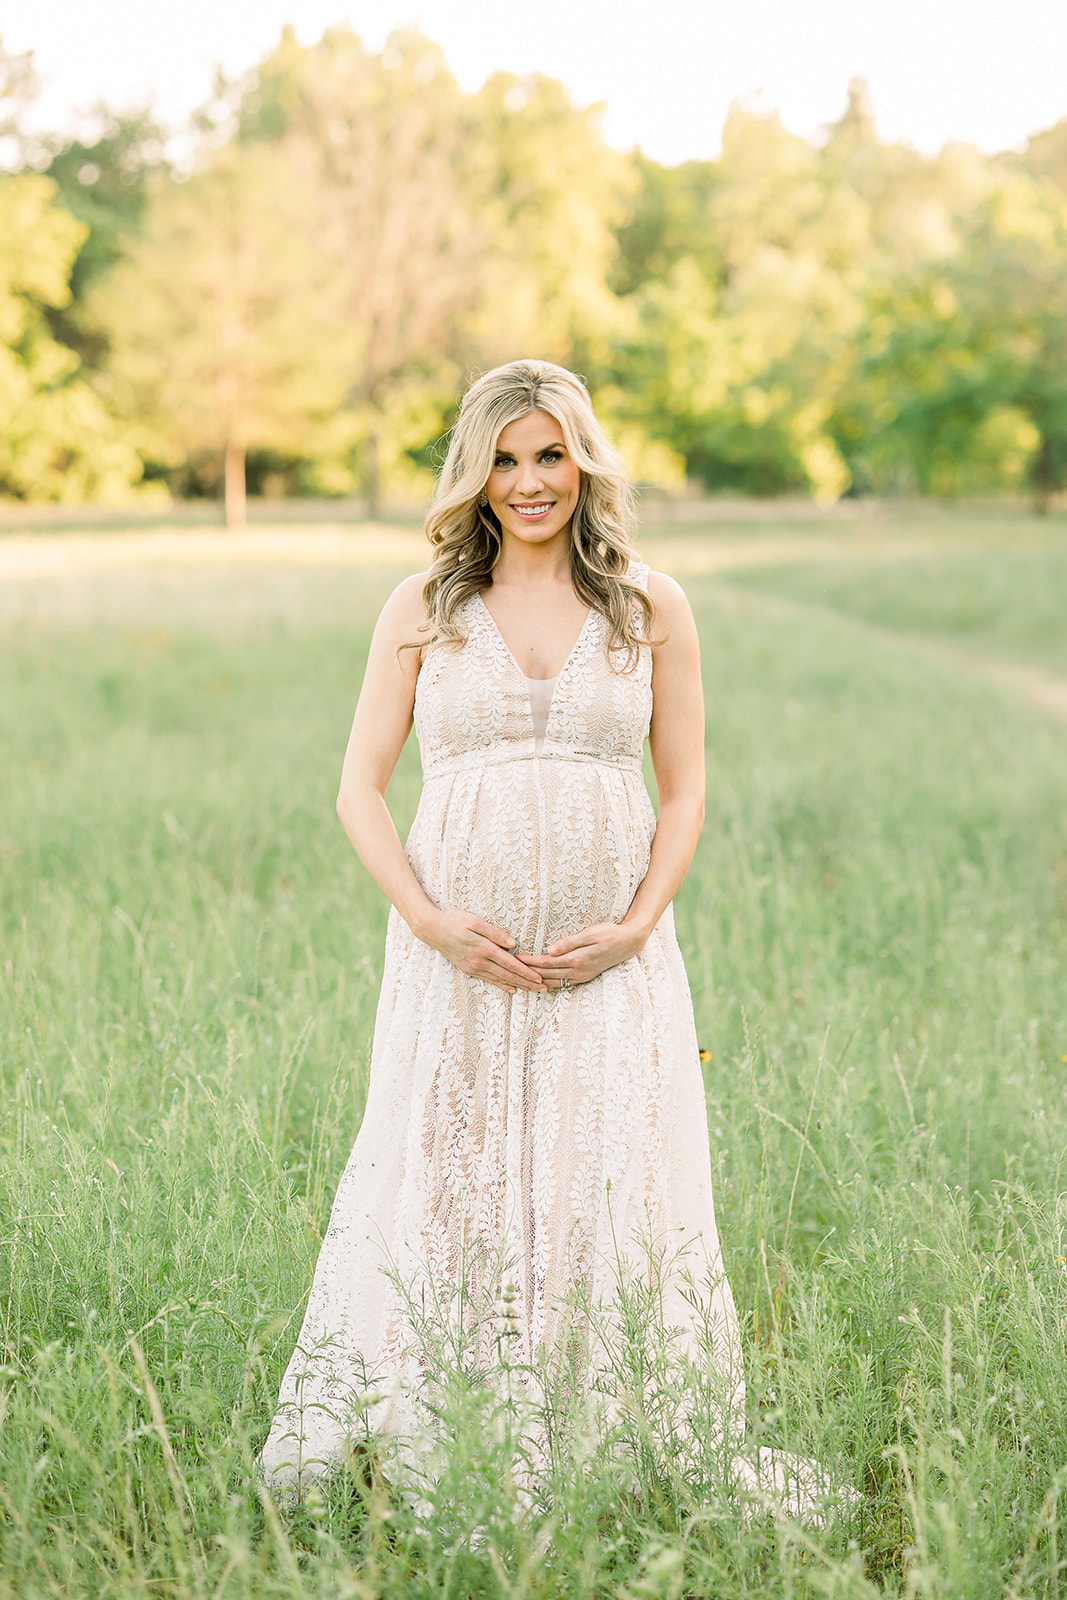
{"points": [[507, 1313], [315, 1501], [705, 1056]]}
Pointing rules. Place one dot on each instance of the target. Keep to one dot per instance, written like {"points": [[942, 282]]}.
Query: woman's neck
{"points": [[521, 565]]}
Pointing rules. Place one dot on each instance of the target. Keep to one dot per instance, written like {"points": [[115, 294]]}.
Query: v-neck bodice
{"points": [[497, 629], [473, 707], [540, 691]]}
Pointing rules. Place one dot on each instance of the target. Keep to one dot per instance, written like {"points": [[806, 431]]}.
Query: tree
{"points": [[102, 179], [750, 325], [1013, 282], [554, 195], [474, 228], [388, 141], [57, 440], [669, 219], [962, 381], [223, 316]]}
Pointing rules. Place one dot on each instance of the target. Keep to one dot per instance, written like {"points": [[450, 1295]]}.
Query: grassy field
{"points": [[1007, 603], [876, 932]]}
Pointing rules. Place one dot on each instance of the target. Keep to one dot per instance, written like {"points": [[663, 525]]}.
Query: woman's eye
{"points": [[552, 455], [503, 461]]}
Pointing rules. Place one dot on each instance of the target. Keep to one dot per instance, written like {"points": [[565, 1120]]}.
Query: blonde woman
{"points": [[535, 1106]]}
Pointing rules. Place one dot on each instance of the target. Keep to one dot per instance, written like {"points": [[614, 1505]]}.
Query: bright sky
{"points": [[985, 71]]}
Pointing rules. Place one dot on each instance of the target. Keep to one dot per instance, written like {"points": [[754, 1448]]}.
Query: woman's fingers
{"points": [[580, 957], [555, 969], [515, 965], [596, 936], [491, 953], [559, 963], [505, 968]]}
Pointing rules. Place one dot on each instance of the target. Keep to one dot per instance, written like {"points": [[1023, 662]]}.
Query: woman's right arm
{"points": [[381, 725]]}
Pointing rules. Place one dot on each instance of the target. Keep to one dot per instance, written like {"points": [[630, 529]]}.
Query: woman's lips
{"points": [[535, 512]]}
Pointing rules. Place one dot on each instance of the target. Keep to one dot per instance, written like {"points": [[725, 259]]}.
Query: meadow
{"points": [[875, 928]]}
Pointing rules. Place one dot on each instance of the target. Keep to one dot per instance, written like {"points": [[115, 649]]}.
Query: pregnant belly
{"points": [[540, 848]]}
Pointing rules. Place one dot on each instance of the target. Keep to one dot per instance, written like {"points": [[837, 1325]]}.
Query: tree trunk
{"points": [[372, 483], [1044, 477], [235, 484]]}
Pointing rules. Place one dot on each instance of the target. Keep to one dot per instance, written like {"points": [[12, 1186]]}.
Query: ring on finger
{"points": [[564, 983]]}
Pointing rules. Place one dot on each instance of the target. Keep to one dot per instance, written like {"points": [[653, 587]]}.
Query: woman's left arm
{"points": [[676, 741]]}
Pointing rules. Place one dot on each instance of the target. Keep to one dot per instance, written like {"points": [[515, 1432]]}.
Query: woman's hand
{"points": [[480, 950], [583, 956]]}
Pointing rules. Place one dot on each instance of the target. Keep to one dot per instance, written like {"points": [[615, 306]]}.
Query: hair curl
{"points": [[466, 537]]}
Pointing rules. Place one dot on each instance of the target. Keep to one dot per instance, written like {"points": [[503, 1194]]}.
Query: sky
{"points": [[987, 72]]}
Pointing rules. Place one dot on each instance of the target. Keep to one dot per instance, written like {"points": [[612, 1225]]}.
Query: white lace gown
{"points": [[527, 1138]]}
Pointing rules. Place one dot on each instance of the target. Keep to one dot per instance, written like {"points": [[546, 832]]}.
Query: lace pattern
{"points": [[539, 1136]]}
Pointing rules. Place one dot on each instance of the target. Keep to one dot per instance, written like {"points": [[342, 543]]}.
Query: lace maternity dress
{"points": [[526, 1138]]}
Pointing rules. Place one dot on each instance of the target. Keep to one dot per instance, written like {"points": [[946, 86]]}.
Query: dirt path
{"points": [[1040, 687], [1030, 682]]}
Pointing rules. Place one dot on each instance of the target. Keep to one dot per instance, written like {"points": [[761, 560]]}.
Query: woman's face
{"points": [[533, 487]]}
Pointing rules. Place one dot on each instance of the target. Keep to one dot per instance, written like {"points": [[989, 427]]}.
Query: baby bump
{"points": [[541, 848]]}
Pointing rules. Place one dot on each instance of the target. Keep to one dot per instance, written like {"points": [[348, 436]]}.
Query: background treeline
{"points": [[349, 234]]}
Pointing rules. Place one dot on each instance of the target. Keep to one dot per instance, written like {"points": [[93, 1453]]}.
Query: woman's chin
{"points": [[535, 532]]}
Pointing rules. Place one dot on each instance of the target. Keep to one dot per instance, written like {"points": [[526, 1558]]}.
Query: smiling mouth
{"points": [[532, 512]]}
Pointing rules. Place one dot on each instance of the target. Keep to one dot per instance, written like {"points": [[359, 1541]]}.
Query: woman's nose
{"points": [[530, 477]]}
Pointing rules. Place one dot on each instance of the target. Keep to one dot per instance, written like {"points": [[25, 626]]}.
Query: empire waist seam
{"points": [[477, 761]]}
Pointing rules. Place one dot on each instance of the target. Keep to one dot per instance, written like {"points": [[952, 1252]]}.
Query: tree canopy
{"points": [[352, 235], [58, 440]]}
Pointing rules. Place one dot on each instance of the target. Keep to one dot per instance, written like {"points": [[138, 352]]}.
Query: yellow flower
{"points": [[705, 1056]]}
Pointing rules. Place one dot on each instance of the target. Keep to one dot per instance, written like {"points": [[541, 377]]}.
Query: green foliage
{"points": [[960, 378], [555, 194], [875, 932], [224, 310], [388, 147], [57, 440], [103, 181], [465, 227], [818, 316], [851, 313], [670, 219], [744, 332]]}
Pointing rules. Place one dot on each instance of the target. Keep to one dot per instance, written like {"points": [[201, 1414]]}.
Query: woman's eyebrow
{"points": [[542, 451]]}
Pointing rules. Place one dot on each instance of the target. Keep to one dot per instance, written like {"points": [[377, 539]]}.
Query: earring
{"points": [[483, 499]]}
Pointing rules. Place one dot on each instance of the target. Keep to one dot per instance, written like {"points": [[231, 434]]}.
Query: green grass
{"points": [[876, 933], [1004, 604]]}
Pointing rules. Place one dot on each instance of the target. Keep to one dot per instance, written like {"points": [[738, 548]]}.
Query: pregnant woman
{"points": [[536, 1118]]}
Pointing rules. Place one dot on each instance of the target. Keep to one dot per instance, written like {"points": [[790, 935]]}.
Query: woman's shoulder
{"points": [[408, 598], [664, 592], [405, 610], [670, 603], [663, 589], [657, 585]]}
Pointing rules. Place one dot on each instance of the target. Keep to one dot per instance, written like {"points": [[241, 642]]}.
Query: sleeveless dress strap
{"points": [[637, 573]]}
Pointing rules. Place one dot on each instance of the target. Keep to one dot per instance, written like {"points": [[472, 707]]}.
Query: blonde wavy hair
{"points": [[466, 536]]}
